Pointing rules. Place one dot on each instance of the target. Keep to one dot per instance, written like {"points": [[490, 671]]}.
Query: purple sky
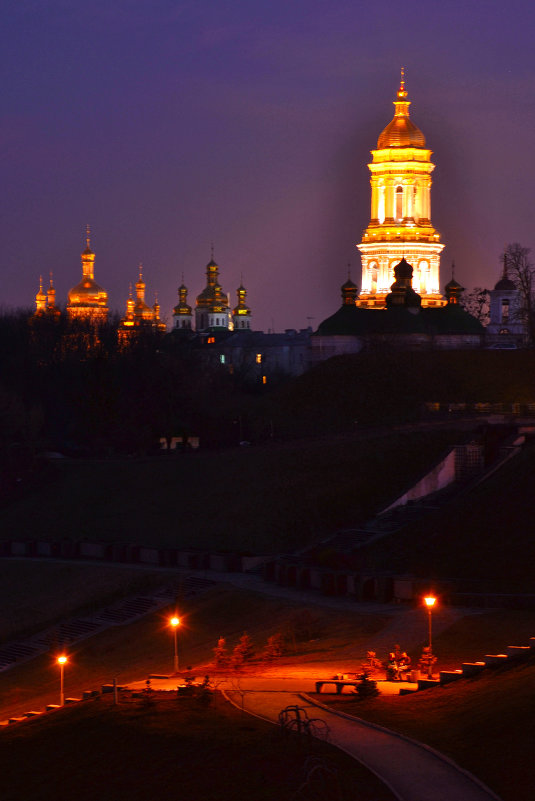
{"points": [[167, 125]]}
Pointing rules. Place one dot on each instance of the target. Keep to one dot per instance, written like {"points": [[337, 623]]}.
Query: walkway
{"points": [[412, 771]]}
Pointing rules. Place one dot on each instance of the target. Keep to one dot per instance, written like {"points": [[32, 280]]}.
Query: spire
{"points": [[505, 263], [51, 294], [453, 290], [87, 239], [349, 290], [88, 257], [401, 104], [40, 298], [130, 302]]}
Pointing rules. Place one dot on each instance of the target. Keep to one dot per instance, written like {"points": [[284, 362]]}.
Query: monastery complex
{"points": [[399, 304]]}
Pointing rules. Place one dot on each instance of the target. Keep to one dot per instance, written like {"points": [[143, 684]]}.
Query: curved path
{"points": [[412, 771]]}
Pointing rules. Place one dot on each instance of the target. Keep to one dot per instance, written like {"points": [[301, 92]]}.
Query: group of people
{"points": [[398, 666]]}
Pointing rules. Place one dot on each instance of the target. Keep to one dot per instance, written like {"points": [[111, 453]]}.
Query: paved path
{"points": [[412, 771]]}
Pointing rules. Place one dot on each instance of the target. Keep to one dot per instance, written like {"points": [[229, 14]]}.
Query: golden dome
{"points": [[87, 292], [401, 132]]}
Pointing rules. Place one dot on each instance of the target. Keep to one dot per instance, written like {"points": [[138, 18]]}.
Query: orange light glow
{"points": [[62, 660], [174, 621], [430, 601]]}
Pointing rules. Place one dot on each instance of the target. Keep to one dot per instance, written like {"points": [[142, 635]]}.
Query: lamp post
{"points": [[175, 623], [430, 601], [62, 660]]}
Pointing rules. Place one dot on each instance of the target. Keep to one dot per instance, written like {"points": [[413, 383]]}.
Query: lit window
{"points": [[222, 358], [259, 358], [211, 340], [264, 379]]}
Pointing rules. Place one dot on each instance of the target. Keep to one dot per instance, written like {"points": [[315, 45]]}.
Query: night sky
{"points": [[167, 125]]}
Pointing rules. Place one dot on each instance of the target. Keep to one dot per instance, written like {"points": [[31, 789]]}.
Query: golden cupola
{"points": [[182, 313], [212, 306], [87, 299], [400, 220], [40, 298], [142, 311], [241, 313], [401, 132]]}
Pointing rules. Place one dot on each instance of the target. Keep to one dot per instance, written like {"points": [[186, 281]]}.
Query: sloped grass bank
{"points": [[168, 749], [260, 499], [485, 535], [485, 724]]}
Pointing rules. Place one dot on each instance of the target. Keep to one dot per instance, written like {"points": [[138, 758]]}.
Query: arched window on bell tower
{"points": [[505, 310], [399, 203]]}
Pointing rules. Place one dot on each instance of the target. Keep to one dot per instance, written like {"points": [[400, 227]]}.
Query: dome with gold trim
{"points": [[87, 298], [401, 131]]}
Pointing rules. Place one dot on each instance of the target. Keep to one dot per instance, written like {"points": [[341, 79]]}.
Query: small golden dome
{"points": [[401, 132]]}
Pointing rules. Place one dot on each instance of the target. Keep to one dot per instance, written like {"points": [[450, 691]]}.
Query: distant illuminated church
{"points": [[139, 315], [400, 304], [45, 303], [87, 300], [400, 225], [212, 308]]}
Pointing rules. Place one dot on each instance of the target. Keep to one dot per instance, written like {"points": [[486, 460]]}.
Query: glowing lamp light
{"points": [[174, 622], [61, 660], [430, 602]]}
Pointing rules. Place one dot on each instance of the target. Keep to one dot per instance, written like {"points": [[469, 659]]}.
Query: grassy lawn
{"points": [[262, 499], [173, 748], [485, 724], [37, 594]]}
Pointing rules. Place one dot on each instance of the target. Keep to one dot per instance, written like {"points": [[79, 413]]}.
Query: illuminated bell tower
{"points": [[400, 224], [241, 313]]}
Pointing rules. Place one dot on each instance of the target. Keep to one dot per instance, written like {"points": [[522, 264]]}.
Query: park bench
{"points": [[339, 684]]}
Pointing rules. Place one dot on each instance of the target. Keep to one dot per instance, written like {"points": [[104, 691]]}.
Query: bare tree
{"points": [[477, 303], [521, 270]]}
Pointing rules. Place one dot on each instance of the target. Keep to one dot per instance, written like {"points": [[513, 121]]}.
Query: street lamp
{"points": [[430, 601], [62, 660], [175, 623]]}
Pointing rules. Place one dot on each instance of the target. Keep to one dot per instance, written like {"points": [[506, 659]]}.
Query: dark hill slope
{"points": [[262, 499], [486, 534]]}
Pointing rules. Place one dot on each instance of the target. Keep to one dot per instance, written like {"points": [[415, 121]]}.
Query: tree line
{"points": [[68, 386]]}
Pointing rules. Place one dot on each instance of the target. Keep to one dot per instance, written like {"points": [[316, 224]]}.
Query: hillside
{"points": [[484, 535], [261, 499], [166, 749]]}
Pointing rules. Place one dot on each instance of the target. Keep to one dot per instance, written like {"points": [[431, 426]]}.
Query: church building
{"points": [[506, 327], [400, 224], [139, 315], [400, 305], [87, 300]]}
